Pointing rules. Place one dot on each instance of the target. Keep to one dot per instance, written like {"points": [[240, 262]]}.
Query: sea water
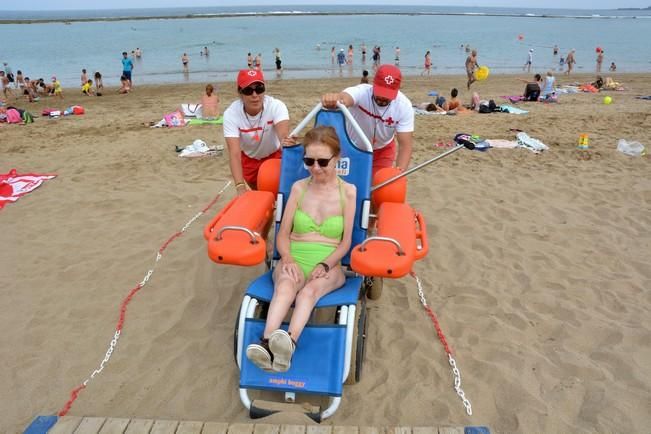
{"points": [[305, 36]]}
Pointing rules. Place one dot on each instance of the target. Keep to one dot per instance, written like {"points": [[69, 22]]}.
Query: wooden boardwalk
{"points": [[102, 425]]}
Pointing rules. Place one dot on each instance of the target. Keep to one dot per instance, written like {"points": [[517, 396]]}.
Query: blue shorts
{"points": [[127, 74]]}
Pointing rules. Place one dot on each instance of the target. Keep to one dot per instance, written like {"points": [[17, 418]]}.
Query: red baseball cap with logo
{"points": [[246, 77], [387, 82]]}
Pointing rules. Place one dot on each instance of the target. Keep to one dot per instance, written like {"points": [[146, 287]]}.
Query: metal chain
{"points": [[114, 342], [453, 363]]}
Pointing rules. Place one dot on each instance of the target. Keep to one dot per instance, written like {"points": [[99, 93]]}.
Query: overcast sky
{"points": [[121, 4]]}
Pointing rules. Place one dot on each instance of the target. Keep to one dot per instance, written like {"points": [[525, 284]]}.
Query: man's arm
{"points": [[405, 142], [330, 100], [282, 130]]}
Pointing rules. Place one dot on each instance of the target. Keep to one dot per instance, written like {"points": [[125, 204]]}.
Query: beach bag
{"points": [[487, 107], [27, 117], [191, 110], [174, 119], [13, 117]]}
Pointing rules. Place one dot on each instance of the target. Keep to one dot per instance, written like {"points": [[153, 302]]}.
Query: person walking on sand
{"points": [[471, 64], [127, 67], [384, 114], [600, 60], [185, 60], [529, 62], [428, 64], [570, 61], [255, 125]]}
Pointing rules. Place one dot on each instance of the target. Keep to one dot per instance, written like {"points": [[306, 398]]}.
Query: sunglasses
{"points": [[382, 102], [323, 162], [258, 88]]}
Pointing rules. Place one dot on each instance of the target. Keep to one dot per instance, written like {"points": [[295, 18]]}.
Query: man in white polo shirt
{"points": [[384, 114], [254, 127]]}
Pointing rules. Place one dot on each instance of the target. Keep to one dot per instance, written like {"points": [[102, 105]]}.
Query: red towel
{"points": [[13, 185]]}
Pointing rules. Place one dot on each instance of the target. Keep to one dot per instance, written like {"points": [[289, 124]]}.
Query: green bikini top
{"points": [[332, 227]]}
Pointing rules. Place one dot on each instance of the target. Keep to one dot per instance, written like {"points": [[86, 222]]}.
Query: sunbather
{"points": [[315, 233], [209, 104]]}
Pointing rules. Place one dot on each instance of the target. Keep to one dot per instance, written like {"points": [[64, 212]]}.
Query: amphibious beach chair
{"points": [[330, 351]]}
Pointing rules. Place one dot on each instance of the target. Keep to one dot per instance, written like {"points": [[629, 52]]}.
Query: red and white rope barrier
{"points": [[125, 302], [444, 342]]}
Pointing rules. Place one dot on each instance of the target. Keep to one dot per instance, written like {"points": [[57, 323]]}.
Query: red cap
{"points": [[248, 76], [387, 82]]}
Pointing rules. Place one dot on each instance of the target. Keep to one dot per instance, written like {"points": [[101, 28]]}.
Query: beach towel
{"points": [[199, 148], [500, 143], [513, 98], [534, 145], [218, 121], [13, 186], [513, 110], [418, 111]]}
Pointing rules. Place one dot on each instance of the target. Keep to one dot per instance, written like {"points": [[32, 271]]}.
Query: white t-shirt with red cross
{"points": [[379, 123], [257, 134]]}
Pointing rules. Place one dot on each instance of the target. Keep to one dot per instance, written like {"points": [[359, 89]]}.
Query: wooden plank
{"points": [[266, 428], [66, 425], [240, 428], [114, 426], [319, 429], [139, 426], [214, 428], [425, 430], [90, 425], [164, 427], [399, 430], [344, 429], [451, 430], [189, 427], [292, 429], [372, 430]]}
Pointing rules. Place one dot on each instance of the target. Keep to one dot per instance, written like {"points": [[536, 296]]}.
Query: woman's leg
{"points": [[285, 289], [308, 297]]}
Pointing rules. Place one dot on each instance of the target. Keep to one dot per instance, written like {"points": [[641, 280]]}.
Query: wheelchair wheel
{"points": [[358, 352], [373, 287]]}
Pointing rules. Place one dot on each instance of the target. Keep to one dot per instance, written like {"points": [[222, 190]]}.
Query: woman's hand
{"points": [[290, 268], [319, 272]]}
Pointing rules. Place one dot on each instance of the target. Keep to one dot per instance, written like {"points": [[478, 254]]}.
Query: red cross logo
{"points": [[389, 80], [252, 73], [389, 121]]}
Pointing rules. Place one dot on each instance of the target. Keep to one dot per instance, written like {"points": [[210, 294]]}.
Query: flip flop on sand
{"points": [[260, 355], [282, 346]]}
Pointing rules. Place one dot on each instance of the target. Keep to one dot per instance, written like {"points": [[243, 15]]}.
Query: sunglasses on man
{"points": [[257, 88], [323, 162]]}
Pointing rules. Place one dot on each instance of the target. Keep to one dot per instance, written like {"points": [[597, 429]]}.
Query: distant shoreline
{"points": [[277, 14]]}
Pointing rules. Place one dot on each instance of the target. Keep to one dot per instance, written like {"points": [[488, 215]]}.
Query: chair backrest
{"points": [[354, 167]]}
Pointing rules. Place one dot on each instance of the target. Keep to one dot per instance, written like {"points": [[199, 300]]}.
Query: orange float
{"points": [[236, 235], [396, 191], [400, 241]]}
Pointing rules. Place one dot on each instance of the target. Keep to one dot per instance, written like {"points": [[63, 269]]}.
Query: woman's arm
{"points": [[287, 262], [235, 163]]}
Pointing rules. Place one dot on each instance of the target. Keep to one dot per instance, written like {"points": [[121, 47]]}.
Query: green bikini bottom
{"points": [[307, 254]]}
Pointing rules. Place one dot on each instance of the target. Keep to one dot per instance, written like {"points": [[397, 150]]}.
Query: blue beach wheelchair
{"points": [[329, 353]]}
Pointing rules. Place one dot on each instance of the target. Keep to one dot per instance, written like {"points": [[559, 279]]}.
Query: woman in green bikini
{"points": [[315, 233]]}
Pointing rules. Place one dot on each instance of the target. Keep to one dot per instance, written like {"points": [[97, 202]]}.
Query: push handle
{"points": [[393, 241]]}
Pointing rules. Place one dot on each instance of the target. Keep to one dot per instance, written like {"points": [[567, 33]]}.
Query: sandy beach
{"points": [[538, 269]]}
